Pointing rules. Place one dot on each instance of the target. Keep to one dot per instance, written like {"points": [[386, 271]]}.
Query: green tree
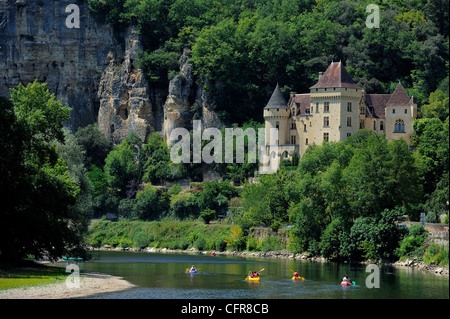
{"points": [[381, 175], [40, 210], [121, 167], [95, 144], [151, 203]]}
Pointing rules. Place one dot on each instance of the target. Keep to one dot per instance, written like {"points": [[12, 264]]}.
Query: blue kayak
{"points": [[71, 258]]}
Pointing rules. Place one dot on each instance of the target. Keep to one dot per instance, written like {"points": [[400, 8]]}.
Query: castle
{"points": [[334, 109]]}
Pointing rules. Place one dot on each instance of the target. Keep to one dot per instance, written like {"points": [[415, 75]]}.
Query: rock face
{"points": [[35, 43], [124, 95], [187, 101], [93, 71]]}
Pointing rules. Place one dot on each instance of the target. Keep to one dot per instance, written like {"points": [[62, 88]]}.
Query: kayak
{"points": [[71, 258], [346, 283], [252, 279], [192, 271], [298, 278]]}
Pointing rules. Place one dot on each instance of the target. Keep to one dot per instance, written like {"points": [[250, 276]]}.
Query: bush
{"points": [[432, 217], [207, 215], [200, 243], [220, 244], [436, 254], [269, 244], [141, 239], [252, 244], [412, 244]]}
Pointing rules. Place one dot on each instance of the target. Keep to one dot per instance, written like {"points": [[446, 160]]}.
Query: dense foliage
{"points": [[45, 192]]}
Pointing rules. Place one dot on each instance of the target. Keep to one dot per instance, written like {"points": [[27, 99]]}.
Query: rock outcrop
{"points": [[124, 95], [93, 70], [187, 100]]}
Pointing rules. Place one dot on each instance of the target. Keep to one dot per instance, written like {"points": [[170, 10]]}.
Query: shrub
{"points": [[220, 244], [436, 254], [141, 239], [269, 244], [252, 243], [207, 215], [412, 244], [200, 243]]}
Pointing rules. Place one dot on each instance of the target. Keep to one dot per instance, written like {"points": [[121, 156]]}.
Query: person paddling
{"points": [[296, 274], [346, 279], [193, 268]]}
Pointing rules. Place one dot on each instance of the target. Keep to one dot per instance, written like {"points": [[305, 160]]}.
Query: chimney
{"points": [[292, 94], [320, 75]]}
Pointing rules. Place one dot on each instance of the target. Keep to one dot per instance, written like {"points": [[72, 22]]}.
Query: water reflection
{"points": [[164, 276]]}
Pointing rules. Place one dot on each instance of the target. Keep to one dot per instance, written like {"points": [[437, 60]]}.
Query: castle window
{"points": [[393, 111], [349, 106], [349, 121], [326, 121], [349, 134], [293, 125], [326, 106], [381, 126], [399, 126], [306, 141], [293, 139], [374, 125], [277, 125], [362, 110], [406, 111], [361, 124], [304, 128], [326, 137]]}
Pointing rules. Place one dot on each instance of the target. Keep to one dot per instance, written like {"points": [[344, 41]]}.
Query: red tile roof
{"points": [[303, 102], [399, 97], [376, 104]]}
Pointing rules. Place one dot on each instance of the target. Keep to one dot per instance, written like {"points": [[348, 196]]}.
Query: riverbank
{"points": [[90, 284], [409, 263]]}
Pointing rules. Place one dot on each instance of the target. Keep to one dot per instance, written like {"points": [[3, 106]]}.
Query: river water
{"points": [[163, 276]]}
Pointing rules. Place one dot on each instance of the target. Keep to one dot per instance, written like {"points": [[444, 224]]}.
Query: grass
{"points": [[171, 234], [29, 274]]}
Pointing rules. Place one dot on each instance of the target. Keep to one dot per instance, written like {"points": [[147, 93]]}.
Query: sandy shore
{"points": [[90, 283]]}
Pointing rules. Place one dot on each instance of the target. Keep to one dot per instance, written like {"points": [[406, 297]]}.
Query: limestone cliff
{"points": [[93, 70], [127, 104], [35, 43], [187, 100]]}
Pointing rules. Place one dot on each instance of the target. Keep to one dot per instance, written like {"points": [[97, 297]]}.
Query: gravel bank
{"points": [[90, 283]]}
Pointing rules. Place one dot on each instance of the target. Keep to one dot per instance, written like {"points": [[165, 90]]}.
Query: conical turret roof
{"points": [[399, 97], [277, 100]]}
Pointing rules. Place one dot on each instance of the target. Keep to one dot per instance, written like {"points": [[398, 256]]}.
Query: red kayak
{"points": [[346, 283]]}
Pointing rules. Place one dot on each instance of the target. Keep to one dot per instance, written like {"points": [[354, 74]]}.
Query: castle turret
{"points": [[276, 115], [400, 112]]}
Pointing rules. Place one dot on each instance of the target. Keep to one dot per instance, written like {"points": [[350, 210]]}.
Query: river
{"points": [[163, 276]]}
